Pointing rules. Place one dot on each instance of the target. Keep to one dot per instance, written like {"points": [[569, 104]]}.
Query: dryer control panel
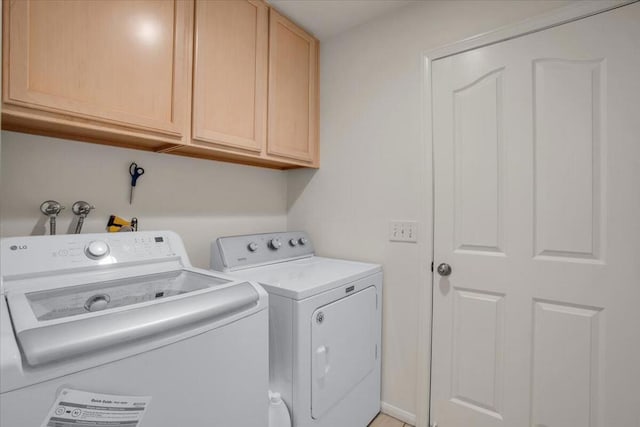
{"points": [[33, 254], [250, 250]]}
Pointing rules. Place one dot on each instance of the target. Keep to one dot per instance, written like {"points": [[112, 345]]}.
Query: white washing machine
{"points": [[324, 325], [124, 315]]}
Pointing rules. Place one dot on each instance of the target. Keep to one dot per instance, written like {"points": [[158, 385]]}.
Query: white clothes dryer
{"points": [[125, 314], [324, 325]]}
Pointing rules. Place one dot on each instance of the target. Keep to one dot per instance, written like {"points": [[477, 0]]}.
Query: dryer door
{"points": [[343, 346]]}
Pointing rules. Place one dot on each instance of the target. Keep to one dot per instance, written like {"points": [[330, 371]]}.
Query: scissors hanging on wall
{"points": [[136, 172]]}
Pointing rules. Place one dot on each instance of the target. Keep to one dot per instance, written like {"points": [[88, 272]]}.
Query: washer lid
{"points": [[76, 300], [307, 277], [60, 324]]}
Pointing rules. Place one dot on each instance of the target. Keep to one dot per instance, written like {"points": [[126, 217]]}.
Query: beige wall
{"points": [[374, 165], [199, 199]]}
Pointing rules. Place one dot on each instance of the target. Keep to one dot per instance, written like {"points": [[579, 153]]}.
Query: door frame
{"points": [[560, 16]]}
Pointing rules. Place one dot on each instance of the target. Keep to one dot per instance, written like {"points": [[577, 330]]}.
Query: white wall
{"points": [[199, 199], [374, 164]]}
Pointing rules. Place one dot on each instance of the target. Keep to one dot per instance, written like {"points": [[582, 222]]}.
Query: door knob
{"points": [[444, 269]]}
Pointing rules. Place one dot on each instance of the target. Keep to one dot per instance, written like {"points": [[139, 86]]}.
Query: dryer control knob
{"points": [[97, 249], [275, 243], [303, 240], [293, 242], [253, 246]]}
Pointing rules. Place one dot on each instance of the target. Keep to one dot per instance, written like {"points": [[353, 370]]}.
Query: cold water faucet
{"points": [[81, 209]]}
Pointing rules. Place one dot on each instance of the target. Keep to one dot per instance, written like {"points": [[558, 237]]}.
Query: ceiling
{"points": [[326, 18]]}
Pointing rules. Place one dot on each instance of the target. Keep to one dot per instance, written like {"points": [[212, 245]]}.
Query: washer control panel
{"points": [[22, 255], [237, 252]]}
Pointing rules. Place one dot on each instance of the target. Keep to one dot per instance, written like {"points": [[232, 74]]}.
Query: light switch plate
{"points": [[403, 231]]}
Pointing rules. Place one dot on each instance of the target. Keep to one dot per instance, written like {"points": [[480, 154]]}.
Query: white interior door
{"points": [[537, 211]]}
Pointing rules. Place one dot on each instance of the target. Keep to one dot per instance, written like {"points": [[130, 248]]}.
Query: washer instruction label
{"points": [[75, 408]]}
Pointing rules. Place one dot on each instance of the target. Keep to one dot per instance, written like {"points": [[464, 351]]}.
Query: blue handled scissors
{"points": [[135, 172]]}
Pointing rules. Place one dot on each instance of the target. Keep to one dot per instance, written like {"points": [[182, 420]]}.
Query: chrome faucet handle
{"points": [[52, 209], [81, 209]]}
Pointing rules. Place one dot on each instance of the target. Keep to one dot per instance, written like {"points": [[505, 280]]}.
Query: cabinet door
{"points": [[115, 62], [230, 73], [293, 91]]}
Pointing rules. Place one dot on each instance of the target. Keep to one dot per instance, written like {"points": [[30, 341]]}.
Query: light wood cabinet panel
{"points": [[91, 63], [230, 73], [293, 92]]}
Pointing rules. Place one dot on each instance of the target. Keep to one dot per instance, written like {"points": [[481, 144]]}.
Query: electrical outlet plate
{"points": [[403, 231]]}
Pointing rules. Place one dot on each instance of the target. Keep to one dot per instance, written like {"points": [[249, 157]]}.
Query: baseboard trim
{"points": [[400, 414]]}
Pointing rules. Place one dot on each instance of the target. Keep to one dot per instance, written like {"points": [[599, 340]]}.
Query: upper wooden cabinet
{"points": [[293, 92], [230, 73], [230, 80], [86, 63]]}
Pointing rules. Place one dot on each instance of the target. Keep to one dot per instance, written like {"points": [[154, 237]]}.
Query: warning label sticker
{"points": [[74, 408]]}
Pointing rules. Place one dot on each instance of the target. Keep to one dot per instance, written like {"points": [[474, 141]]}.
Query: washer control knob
{"points": [[275, 243], [253, 246], [303, 241], [293, 242], [97, 249]]}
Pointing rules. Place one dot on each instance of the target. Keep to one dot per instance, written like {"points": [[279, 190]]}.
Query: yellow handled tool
{"points": [[116, 224]]}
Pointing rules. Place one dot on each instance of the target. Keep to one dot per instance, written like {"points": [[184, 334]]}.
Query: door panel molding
{"points": [[478, 348], [568, 338], [568, 202], [478, 164]]}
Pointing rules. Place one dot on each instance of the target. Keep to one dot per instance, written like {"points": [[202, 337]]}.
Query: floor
{"points": [[383, 420]]}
